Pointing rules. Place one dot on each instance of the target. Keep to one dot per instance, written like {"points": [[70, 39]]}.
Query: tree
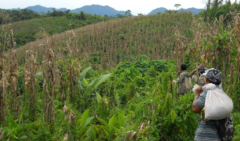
{"points": [[128, 13], [177, 5], [82, 16]]}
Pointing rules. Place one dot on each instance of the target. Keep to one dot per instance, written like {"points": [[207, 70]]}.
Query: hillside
{"points": [[98, 10], [105, 44], [195, 11], [30, 30], [158, 10]]}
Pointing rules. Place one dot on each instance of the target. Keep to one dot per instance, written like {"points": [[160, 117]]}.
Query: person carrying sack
{"points": [[216, 107], [183, 80]]}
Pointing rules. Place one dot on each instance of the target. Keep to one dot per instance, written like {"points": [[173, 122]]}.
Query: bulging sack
{"points": [[195, 88], [218, 105]]}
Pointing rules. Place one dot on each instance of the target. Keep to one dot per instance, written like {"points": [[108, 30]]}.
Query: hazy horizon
{"points": [[136, 7]]}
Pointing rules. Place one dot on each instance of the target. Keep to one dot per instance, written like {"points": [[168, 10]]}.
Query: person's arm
{"points": [[196, 108], [192, 73], [198, 68]]}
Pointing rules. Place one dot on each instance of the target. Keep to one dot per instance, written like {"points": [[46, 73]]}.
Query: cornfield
{"points": [[113, 80]]}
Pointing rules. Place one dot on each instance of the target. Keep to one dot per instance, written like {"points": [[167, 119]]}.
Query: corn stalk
{"points": [[49, 81]]}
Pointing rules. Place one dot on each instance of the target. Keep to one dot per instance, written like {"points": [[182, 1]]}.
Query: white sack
{"points": [[218, 105], [195, 87]]}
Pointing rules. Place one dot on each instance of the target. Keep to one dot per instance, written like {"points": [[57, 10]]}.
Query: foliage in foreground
{"points": [[133, 101]]}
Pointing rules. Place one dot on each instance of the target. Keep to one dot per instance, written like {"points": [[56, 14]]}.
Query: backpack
{"points": [[225, 128], [188, 83]]}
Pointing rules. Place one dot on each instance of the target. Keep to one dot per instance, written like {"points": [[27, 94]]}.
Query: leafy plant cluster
{"points": [[109, 106], [216, 8]]}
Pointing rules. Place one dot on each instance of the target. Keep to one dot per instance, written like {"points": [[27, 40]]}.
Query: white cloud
{"points": [[136, 6]]}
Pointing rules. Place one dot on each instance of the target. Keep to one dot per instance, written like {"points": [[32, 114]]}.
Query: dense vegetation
{"points": [[96, 82], [216, 8]]}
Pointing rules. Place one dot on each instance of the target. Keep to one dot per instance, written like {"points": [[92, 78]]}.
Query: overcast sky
{"points": [[136, 6]]}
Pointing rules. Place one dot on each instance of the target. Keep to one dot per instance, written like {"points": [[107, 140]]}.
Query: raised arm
{"points": [[196, 108], [192, 73]]}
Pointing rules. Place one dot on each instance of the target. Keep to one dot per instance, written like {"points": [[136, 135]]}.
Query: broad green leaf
{"points": [[28, 126], [84, 118], [121, 118], [103, 122], [112, 120], [105, 129], [83, 73], [99, 98], [38, 74], [22, 137], [20, 118], [11, 122], [117, 98], [102, 79], [92, 83], [88, 121], [173, 116], [80, 84], [116, 129]]}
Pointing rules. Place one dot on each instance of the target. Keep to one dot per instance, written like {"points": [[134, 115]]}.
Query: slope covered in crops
{"points": [[26, 31], [105, 44]]}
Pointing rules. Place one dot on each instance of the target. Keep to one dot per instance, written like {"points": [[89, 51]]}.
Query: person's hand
{"points": [[174, 81], [178, 73], [200, 66], [199, 90]]}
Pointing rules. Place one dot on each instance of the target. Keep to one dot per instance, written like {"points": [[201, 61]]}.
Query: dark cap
{"points": [[214, 75]]}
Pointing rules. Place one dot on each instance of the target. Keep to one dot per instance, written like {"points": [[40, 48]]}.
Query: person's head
{"points": [[201, 69], [183, 67], [214, 76]]}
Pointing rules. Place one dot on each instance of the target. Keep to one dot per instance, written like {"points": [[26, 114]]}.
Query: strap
{"points": [[217, 127]]}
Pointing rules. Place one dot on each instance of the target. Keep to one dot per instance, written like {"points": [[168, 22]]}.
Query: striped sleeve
{"points": [[201, 100]]}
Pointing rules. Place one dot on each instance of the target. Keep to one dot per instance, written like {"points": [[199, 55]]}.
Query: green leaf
{"points": [[28, 126], [173, 116], [112, 120], [105, 129], [83, 73], [88, 121], [117, 98], [102, 79], [121, 118], [22, 137], [84, 118], [38, 74], [103, 122], [11, 123], [99, 98], [92, 83]]}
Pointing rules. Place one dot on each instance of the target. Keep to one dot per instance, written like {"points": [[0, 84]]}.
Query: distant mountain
{"points": [[42, 9], [98, 10], [90, 9], [158, 10], [193, 10], [162, 10]]}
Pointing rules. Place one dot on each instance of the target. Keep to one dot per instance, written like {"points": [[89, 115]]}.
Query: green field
{"points": [[112, 80]]}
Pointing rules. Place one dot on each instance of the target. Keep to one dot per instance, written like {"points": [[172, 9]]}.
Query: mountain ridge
{"points": [[162, 10], [90, 9], [102, 10]]}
